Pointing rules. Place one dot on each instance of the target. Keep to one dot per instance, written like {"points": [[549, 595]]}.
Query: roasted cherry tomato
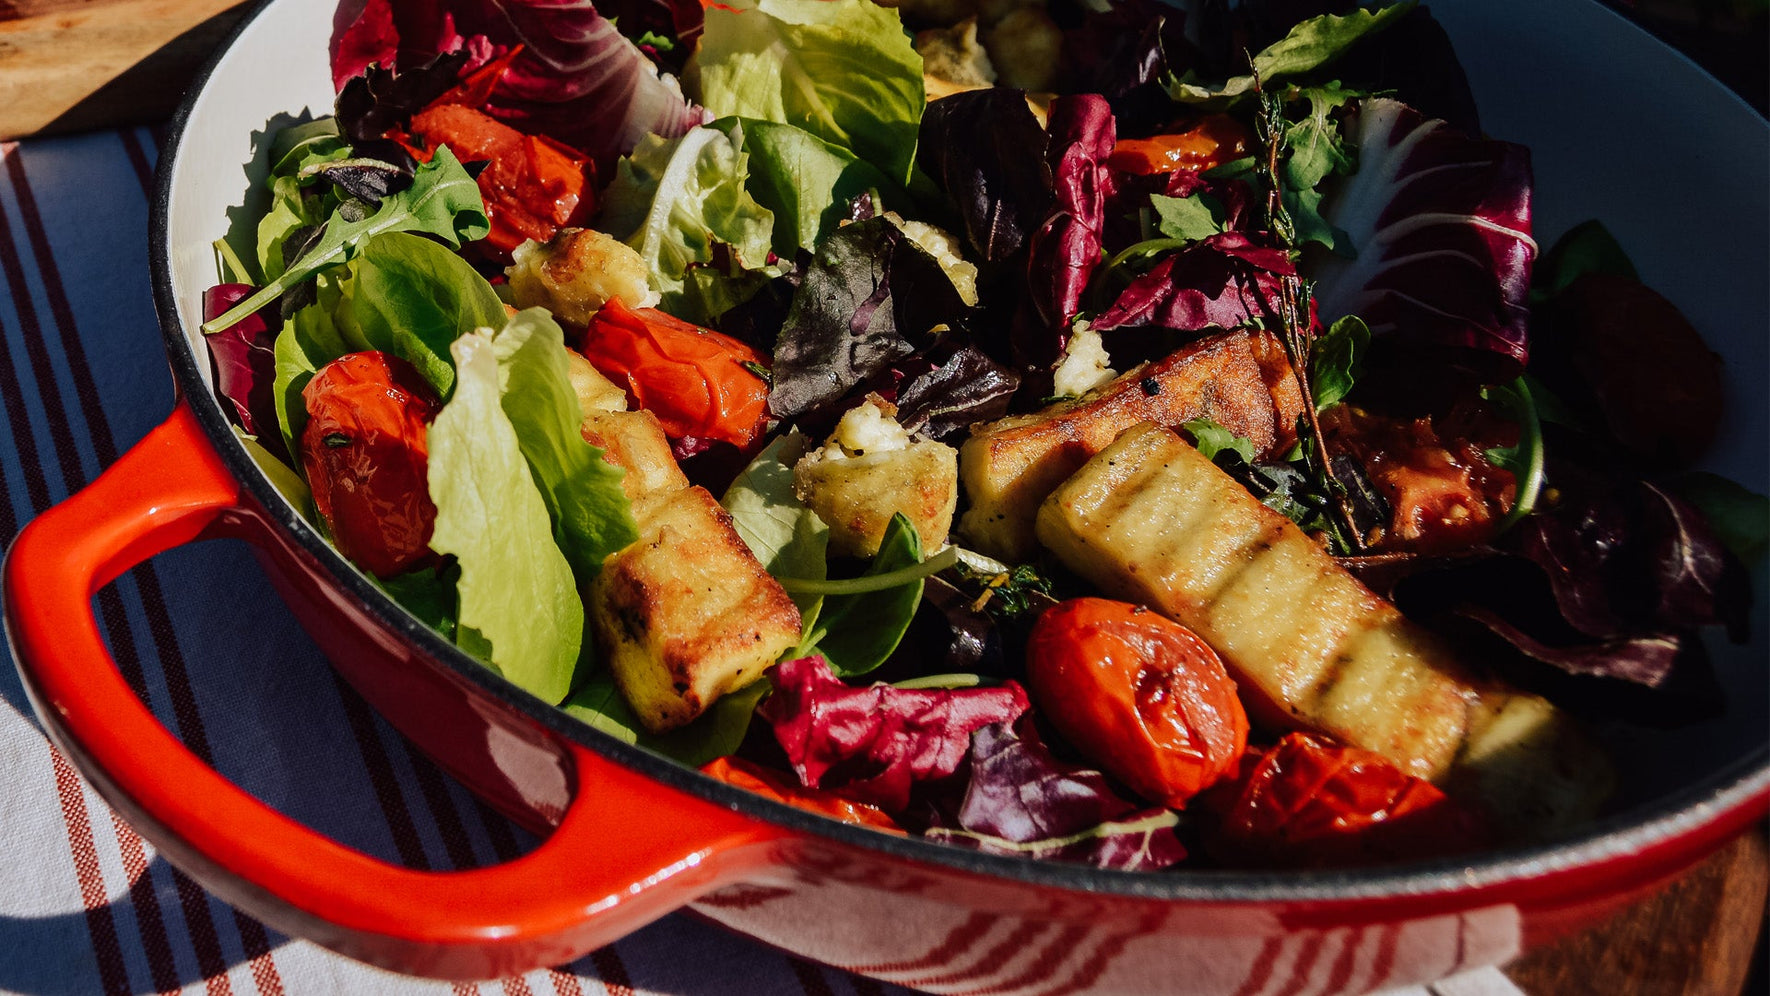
{"points": [[532, 185], [365, 455], [1138, 694], [700, 384], [1310, 802], [782, 787], [1216, 140]]}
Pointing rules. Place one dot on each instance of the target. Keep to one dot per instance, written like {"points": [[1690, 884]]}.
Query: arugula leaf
{"points": [[1309, 45], [855, 633], [519, 605], [442, 201], [1336, 360], [715, 733], [843, 70], [590, 513], [787, 537], [1525, 458], [1190, 218]]}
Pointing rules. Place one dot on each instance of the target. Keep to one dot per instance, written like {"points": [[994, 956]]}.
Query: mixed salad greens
{"points": [[834, 228]]}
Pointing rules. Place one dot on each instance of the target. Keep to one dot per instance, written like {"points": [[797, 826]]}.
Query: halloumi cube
{"points": [[1009, 466]]}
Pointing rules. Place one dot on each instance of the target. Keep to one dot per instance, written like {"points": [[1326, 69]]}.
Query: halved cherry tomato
{"points": [[1216, 140], [700, 384], [1310, 802], [533, 186], [781, 787], [365, 454], [1138, 694]]}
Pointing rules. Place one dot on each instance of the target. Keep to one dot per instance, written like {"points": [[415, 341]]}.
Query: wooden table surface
{"points": [[74, 65]]}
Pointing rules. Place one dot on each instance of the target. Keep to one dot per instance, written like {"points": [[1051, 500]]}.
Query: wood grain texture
{"points": [[1696, 937], [73, 65]]}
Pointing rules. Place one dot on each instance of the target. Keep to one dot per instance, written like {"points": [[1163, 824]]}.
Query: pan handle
{"points": [[626, 852]]}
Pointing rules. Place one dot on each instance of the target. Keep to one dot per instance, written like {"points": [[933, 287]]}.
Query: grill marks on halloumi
{"points": [[1151, 520]]}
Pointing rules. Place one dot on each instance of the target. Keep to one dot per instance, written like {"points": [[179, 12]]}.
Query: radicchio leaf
{"points": [[873, 744], [1066, 248], [1441, 226], [974, 144], [378, 99], [965, 388], [1022, 801], [245, 364], [1224, 281], [576, 79]]}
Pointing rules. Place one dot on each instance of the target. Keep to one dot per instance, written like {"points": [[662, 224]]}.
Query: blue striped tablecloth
{"points": [[86, 906]]}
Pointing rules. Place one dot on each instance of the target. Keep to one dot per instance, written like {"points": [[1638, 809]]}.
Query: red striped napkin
{"points": [[87, 906]]}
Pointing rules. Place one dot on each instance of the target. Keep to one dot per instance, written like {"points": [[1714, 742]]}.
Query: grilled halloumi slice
{"points": [[868, 471], [1151, 520], [1009, 466], [685, 613]]}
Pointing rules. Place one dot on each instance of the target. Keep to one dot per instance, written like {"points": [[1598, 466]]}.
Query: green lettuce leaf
{"points": [[787, 537], [412, 297], [843, 70], [1190, 218], [675, 200], [590, 513], [856, 633], [715, 733], [518, 606], [805, 181]]}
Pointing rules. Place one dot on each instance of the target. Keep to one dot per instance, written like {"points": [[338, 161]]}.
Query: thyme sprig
{"points": [[1293, 309]]}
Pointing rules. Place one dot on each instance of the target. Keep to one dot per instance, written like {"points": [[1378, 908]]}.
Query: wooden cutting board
{"points": [[74, 65]]}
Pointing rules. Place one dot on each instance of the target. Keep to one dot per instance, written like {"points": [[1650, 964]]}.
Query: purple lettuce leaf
{"points": [[874, 744], [1022, 801], [1066, 248], [964, 388], [870, 300], [975, 147], [1441, 225], [1224, 281], [1615, 586], [245, 364], [577, 79]]}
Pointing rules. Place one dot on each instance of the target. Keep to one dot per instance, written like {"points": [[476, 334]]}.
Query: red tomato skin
{"points": [[532, 186], [1308, 802], [365, 453], [693, 379], [1211, 142], [783, 788], [1138, 694]]}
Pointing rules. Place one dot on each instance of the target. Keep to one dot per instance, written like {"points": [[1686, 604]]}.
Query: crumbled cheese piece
{"points": [[575, 273], [941, 244], [869, 427], [1085, 364]]}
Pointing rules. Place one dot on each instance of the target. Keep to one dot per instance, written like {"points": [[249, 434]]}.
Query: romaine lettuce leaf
{"points": [[518, 601], [590, 513], [843, 70], [675, 200]]}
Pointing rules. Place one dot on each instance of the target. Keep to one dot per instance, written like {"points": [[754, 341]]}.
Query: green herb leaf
{"points": [[1210, 439], [805, 181], [1586, 248], [428, 594], [855, 633], [1190, 218], [1525, 459], [1739, 516], [442, 201], [1309, 45], [1336, 361], [413, 298]]}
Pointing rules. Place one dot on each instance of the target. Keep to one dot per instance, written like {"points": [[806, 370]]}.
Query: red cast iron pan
{"points": [[631, 837]]}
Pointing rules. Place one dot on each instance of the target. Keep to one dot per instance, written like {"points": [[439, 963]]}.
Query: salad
{"points": [[1112, 432]]}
